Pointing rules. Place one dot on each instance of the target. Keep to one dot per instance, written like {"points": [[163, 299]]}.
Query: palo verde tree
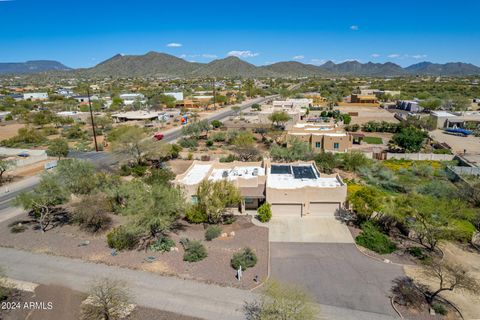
{"points": [[58, 148], [132, 144], [214, 197], [44, 199], [279, 118], [4, 166], [107, 299], [244, 144]]}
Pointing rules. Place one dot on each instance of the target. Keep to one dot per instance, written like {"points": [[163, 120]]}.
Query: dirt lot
{"points": [[66, 306], [366, 114], [67, 240], [469, 303], [471, 144], [9, 130]]}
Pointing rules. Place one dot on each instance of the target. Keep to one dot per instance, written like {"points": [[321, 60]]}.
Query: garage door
{"points": [[293, 210], [322, 209]]}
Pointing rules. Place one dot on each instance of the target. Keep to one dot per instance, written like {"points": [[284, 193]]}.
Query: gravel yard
{"points": [[67, 241]]}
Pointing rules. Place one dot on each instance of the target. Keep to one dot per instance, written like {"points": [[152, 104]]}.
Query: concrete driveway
{"points": [[308, 229], [336, 274]]}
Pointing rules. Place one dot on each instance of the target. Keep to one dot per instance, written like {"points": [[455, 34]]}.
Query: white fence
{"points": [[420, 156], [34, 156]]}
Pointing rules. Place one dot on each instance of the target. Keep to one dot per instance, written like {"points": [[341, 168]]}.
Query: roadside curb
{"points": [[21, 285], [380, 260], [392, 302], [268, 262]]}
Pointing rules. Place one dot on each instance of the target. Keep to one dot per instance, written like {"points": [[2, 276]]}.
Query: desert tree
{"points": [[244, 144], [279, 118], [449, 277], [215, 196], [281, 302], [107, 300], [4, 166], [58, 148]]}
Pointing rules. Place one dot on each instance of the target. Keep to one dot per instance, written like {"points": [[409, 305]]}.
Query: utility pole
{"points": [[91, 117], [214, 95]]}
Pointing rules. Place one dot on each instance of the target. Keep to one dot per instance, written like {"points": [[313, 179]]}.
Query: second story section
{"points": [[322, 137]]}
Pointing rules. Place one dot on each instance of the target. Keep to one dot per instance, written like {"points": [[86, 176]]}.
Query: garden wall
{"points": [[420, 156], [35, 156]]}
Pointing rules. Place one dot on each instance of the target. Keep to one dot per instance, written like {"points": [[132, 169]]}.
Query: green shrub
{"points": [[138, 171], [439, 308], [245, 258], [218, 136], [121, 238], [216, 124], [125, 170], [188, 143], [163, 244], [194, 250], [229, 158], [264, 212], [371, 238], [194, 215], [209, 143], [91, 214], [417, 253], [212, 232], [463, 230]]}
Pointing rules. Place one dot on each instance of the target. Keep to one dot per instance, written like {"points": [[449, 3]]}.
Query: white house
{"points": [[131, 98], [177, 95], [35, 96]]}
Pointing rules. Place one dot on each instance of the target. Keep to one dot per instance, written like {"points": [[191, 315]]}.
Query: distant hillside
{"points": [[150, 64], [231, 67], [355, 68], [293, 68], [36, 66], [451, 68], [155, 64]]}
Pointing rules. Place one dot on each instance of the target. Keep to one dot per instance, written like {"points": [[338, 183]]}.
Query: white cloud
{"points": [[317, 61], [419, 56], [394, 55], [299, 57], [174, 45], [375, 55], [209, 56], [243, 54], [183, 56], [354, 28]]}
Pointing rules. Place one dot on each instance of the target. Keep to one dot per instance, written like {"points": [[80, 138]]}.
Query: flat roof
{"points": [[236, 172], [443, 114], [298, 176], [196, 174]]}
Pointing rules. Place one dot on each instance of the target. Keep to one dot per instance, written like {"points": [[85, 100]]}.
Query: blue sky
{"points": [[86, 32]]}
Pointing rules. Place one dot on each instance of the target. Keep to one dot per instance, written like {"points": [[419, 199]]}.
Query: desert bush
{"points": [[209, 143], [440, 309], [464, 230], [407, 294], [245, 258], [194, 215], [138, 170], [212, 232], [229, 158], [91, 213], [417, 253], [188, 143], [371, 238], [164, 244], [122, 238], [194, 250], [218, 136], [264, 212]]}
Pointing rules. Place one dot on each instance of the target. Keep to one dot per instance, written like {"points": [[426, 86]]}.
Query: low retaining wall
{"points": [[35, 156], [420, 156]]}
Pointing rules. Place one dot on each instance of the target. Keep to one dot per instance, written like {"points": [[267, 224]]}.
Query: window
{"points": [[194, 199], [336, 145], [248, 200], [318, 145]]}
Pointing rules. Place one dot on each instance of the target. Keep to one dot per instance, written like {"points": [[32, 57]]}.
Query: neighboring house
{"points": [[322, 137], [75, 115], [248, 177], [35, 96], [65, 92], [298, 189], [378, 93], [446, 119], [360, 99], [84, 99], [411, 106], [136, 116], [131, 98], [292, 189], [177, 95]]}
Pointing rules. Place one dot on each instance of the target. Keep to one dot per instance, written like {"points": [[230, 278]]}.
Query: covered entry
{"points": [[323, 209], [284, 210]]}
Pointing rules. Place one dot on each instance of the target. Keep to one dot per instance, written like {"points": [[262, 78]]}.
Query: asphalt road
{"points": [[9, 192], [336, 274], [173, 135]]}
